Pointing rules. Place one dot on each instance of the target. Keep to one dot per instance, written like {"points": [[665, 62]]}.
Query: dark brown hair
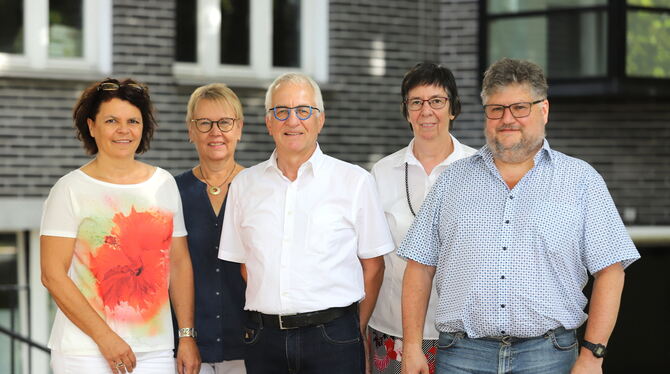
{"points": [[128, 90]]}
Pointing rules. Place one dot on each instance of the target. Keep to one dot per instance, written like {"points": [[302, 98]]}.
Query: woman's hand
{"points": [[188, 356], [117, 352]]}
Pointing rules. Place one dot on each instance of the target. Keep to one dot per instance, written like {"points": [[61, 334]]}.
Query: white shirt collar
{"points": [[456, 153], [313, 163]]}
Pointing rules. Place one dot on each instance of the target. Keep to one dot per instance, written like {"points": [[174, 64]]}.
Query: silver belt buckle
{"points": [[281, 323]]}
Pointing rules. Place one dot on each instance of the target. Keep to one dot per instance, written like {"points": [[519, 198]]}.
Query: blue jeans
{"points": [[553, 353], [335, 347]]}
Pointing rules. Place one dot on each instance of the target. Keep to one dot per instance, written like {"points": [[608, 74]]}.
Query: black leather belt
{"points": [[294, 321]]}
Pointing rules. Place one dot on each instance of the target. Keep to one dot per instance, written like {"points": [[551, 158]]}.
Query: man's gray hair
{"points": [[508, 71], [295, 78]]}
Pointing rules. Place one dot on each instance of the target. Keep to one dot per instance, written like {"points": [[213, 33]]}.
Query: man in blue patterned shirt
{"points": [[510, 235]]}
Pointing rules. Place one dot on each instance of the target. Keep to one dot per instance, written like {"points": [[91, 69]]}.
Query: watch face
{"points": [[599, 351]]}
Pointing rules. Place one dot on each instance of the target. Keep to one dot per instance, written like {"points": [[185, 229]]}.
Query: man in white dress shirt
{"points": [[311, 232]]}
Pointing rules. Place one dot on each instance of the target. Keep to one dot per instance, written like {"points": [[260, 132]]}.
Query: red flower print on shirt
{"points": [[132, 266]]}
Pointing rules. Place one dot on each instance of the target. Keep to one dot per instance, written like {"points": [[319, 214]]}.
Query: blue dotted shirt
{"points": [[514, 262]]}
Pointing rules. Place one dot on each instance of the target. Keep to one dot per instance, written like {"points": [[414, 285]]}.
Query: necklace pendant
{"points": [[214, 190]]}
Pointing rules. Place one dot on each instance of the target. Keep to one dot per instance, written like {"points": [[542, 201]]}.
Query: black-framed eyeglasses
{"points": [[434, 102], [113, 86], [206, 124], [302, 112], [518, 110]]}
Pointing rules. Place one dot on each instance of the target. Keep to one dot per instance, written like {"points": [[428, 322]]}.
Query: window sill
{"points": [[72, 74], [610, 87]]}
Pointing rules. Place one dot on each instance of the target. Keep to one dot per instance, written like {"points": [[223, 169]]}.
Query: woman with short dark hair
{"points": [[430, 104], [113, 246]]}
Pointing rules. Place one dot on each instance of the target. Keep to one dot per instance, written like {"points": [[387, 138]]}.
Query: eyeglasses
{"points": [[206, 124], [113, 86], [518, 110], [434, 102], [302, 112]]}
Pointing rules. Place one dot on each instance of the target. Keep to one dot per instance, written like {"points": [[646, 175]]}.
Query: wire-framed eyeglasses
{"points": [[518, 110], [302, 112], [205, 124], [437, 102]]}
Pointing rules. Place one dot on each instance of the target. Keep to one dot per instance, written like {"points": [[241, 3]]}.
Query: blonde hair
{"points": [[217, 92]]}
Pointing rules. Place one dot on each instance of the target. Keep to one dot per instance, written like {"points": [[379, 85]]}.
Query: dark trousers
{"points": [[335, 347]]}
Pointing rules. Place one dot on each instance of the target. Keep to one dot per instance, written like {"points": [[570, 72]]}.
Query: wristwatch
{"points": [[598, 350], [187, 332]]}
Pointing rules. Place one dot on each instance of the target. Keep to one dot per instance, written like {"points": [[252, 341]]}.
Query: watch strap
{"points": [[598, 350]]}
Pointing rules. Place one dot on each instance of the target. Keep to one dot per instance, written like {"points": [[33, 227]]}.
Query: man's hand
{"points": [[414, 361], [587, 363]]}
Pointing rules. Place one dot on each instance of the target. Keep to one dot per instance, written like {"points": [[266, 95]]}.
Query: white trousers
{"points": [[159, 362], [225, 367]]}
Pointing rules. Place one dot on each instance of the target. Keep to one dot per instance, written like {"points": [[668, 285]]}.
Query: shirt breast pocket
{"points": [[328, 230], [559, 228]]}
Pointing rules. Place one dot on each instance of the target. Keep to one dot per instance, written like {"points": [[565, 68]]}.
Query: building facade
{"points": [[608, 96]]}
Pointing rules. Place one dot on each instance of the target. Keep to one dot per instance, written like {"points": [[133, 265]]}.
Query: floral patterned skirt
{"points": [[386, 353]]}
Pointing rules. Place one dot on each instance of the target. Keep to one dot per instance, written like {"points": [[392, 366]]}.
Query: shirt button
{"points": [[216, 247], [502, 305], [504, 248], [503, 332], [218, 270], [511, 197], [217, 293], [502, 277], [507, 221], [218, 339], [218, 316]]}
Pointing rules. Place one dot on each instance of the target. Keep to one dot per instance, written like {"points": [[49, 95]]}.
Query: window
{"points": [[602, 46], [648, 38], [250, 42], [55, 38]]}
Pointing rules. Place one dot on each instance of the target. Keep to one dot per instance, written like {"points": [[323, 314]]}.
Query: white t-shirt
{"points": [[389, 173], [121, 260], [302, 240]]}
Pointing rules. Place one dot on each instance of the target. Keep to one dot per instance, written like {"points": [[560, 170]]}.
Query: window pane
{"points": [[286, 33], [235, 32], [563, 46], [11, 26], [65, 28], [186, 31], [650, 3], [513, 6], [648, 44]]}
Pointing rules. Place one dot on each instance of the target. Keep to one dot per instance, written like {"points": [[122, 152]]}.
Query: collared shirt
{"points": [[514, 262], [219, 287], [389, 174], [301, 240]]}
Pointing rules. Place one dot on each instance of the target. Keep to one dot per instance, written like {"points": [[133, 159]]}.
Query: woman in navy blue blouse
{"points": [[214, 119]]}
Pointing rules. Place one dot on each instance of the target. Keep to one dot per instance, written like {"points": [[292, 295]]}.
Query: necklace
{"points": [[409, 202], [215, 190]]}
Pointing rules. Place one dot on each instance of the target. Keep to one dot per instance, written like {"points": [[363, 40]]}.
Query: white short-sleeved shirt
{"points": [[123, 236], [302, 240], [389, 174]]}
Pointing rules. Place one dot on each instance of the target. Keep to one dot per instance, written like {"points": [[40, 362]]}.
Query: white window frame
{"points": [[313, 40], [35, 60]]}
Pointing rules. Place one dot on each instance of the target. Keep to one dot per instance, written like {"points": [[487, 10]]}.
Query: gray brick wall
{"points": [[371, 45]]}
